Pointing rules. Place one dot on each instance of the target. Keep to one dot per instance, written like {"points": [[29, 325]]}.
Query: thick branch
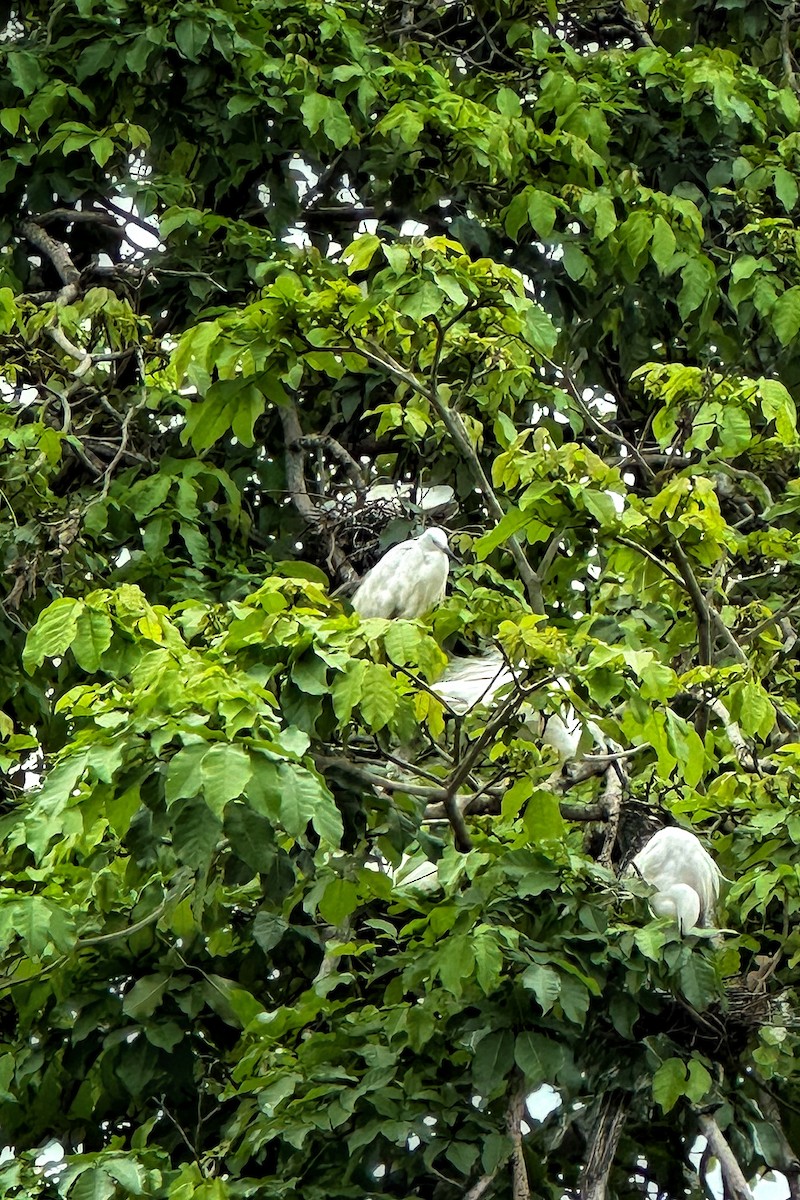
{"points": [[296, 486], [515, 1113], [59, 256], [736, 1186], [336, 450], [612, 795], [605, 1139]]}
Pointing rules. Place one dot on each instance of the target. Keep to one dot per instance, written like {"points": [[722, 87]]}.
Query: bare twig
{"points": [[477, 1189], [128, 930], [736, 1186]]}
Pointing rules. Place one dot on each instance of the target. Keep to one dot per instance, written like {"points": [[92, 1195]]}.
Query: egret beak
{"points": [[455, 557]]}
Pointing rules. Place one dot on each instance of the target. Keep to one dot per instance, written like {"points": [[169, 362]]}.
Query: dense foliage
{"points": [[544, 255]]}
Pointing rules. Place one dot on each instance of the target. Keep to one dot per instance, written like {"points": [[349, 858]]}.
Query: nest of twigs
{"points": [[725, 1028], [355, 526]]}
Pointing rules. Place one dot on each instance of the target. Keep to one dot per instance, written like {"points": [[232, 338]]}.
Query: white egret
{"points": [[409, 580], [467, 682], [685, 877]]}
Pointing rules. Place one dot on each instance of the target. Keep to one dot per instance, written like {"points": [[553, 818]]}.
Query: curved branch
{"points": [[296, 486], [59, 256]]}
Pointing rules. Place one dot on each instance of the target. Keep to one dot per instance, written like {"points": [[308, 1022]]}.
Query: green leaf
{"points": [[785, 315], [669, 1083], [233, 1003], [757, 714], [402, 642], [361, 252], [347, 689], [101, 149], [539, 330], [541, 212], [698, 283], [663, 245], [197, 833], [455, 963], [777, 405], [225, 772], [378, 696], [339, 900], [190, 37], [786, 188], [493, 1060], [544, 982], [145, 996], [25, 70], [53, 633], [303, 799], [128, 1173], [268, 929], [92, 639], [93, 1184], [208, 420], [507, 102], [537, 1057]]}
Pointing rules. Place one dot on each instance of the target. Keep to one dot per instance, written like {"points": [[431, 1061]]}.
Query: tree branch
{"points": [[296, 486], [515, 1112], [787, 58], [336, 450], [613, 794], [59, 256], [736, 1186], [603, 1147]]}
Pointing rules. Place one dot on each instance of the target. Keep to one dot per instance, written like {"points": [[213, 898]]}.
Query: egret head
{"points": [[680, 902], [436, 537]]}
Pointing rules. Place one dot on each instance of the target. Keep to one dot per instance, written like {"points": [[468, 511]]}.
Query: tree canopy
{"points": [[255, 259]]}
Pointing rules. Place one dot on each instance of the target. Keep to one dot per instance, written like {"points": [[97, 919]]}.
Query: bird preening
{"points": [[685, 877], [409, 580]]}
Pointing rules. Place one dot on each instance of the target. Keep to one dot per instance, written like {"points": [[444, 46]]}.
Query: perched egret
{"points": [[409, 580], [467, 682], [685, 877]]}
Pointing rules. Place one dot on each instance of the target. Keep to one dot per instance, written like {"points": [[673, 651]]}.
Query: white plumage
{"points": [[467, 682], [409, 580], [685, 877]]}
